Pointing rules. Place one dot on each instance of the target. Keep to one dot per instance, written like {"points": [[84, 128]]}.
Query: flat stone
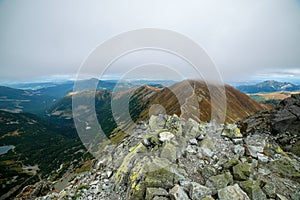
{"points": [[280, 197], [152, 192], [232, 192], [262, 158], [255, 144], [166, 136]]}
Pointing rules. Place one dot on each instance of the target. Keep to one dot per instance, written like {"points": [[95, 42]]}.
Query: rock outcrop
{"points": [[283, 123], [172, 158]]}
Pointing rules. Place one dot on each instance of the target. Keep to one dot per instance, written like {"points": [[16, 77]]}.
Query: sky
{"points": [[247, 40]]}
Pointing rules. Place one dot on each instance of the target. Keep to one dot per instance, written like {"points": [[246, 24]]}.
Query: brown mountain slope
{"points": [[192, 95], [188, 99]]}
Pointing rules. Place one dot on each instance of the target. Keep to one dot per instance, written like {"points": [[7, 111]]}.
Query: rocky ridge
{"points": [[283, 123], [172, 158]]}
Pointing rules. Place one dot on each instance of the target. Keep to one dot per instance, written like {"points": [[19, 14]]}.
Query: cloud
{"points": [[244, 38]]}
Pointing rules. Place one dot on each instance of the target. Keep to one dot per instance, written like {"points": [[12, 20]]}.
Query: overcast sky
{"points": [[250, 39]]}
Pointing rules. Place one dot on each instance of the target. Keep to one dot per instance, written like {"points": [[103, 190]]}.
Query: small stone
{"points": [[193, 141], [101, 163], [190, 149], [262, 158], [238, 149], [146, 142], [165, 136], [94, 182], [208, 198], [198, 191], [207, 152], [280, 197], [201, 137], [237, 140], [109, 174], [177, 193], [232, 192], [160, 198]]}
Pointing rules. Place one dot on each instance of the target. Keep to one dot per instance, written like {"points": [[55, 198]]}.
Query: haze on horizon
{"points": [[247, 40]]}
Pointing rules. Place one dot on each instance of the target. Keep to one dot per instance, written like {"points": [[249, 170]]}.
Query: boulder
{"points": [[232, 192], [219, 181], [231, 131], [255, 144], [241, 171], [152, 192], [178, 193], [198, 191], [269, 189], [169, 152], [156, 122], [253, 190], [165, 136]]}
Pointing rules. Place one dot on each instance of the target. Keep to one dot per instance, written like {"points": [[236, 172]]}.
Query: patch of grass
{"points": [[85, 167]]}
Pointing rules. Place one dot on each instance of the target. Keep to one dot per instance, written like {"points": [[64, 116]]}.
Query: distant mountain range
{"points": [[268, 86], [36, 98]]}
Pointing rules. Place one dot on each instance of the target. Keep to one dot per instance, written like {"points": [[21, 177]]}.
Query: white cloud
{"points": [[244, 38]]}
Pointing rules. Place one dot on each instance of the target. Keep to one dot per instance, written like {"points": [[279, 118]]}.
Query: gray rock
{"points": [[262, 158], [160, 198], [241, 171], [219, 181], [253, 190], [231, 131], [166, 136], [232, 192], [280, 197], [177, 193], [208, 171], [239, 150], [198, 191], [152, 192], [193, 141], [156, 122], [191, 149], [269, 189], [255, 144], [169, 152]]}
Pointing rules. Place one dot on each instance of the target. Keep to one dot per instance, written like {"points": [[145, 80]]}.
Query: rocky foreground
{"points": [[172, 158]]}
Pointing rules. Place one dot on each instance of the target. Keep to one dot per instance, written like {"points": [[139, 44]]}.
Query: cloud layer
{"points": [[244, 38]]}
